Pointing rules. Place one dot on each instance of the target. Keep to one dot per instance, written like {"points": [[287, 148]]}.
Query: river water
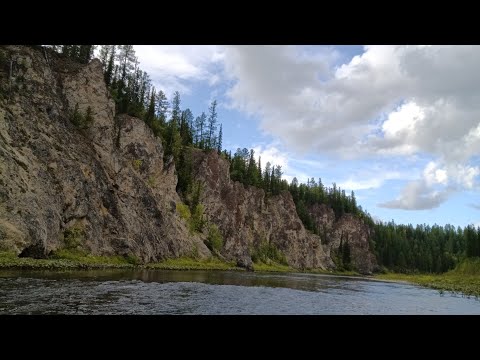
{"points": [[216, 292]]}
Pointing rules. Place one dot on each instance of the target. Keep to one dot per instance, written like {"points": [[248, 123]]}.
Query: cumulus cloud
{"points": [[388, 101], [174, 67], [372, 182], [416, 195]]}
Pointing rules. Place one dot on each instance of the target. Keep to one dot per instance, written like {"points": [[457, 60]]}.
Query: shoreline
{"points": [[455, 283], [9, 261]]}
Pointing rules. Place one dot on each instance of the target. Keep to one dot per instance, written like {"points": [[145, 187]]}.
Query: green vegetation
{"points": [[80, 120], [268, 254], [214, 240], [151, 181], [195, 222], [185, 263], [62, 260], [429, 249], [73, 237], [137, 164], [272, 267], [465, 278], [342, 258], [81, 256]]}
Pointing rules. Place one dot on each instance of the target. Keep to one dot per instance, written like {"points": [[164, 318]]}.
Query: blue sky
{"points": [[399, 125]]}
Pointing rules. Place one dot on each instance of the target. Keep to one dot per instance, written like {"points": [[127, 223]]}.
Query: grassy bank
{"points": [[64, 260], [70, 260], [184, 263], [465, 278]]}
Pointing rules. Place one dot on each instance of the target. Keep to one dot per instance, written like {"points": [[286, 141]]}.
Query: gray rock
{"points": [[56, 177]]}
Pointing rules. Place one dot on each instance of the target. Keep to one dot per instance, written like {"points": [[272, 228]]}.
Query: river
{"points": [[216, 292]]}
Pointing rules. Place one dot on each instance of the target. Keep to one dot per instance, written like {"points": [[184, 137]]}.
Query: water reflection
{"points": [[215, 292]]}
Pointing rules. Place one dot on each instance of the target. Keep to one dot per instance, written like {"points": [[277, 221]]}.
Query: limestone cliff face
{"points": [[347, 229], [109, 181], [246, 217]]}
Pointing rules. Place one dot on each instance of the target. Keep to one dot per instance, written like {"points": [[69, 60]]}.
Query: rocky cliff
{"points": [[247, 218], [109, 186], [349, 231], [107, 182]]}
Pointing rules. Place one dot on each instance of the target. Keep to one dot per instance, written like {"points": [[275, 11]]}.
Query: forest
{"points": [[402, 248]]}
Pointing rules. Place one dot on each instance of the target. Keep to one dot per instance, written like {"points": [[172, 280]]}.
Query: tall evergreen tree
{"points": [[220, 138], [200, 126], [212, 125], [161, 106]]}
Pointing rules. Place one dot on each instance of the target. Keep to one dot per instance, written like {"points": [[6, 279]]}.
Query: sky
{"points": [[398, 125]]}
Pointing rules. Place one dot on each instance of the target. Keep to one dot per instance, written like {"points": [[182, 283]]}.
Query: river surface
{"points": [[216, 292]]}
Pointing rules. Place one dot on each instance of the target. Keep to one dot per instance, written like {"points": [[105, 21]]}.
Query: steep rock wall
{"points": [[109, 180], [246, 218]]}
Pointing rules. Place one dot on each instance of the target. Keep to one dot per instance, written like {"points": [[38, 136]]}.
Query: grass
{"points": [[69, 259], [63, 260], [272, 267], [185, 263], [465, 278]]}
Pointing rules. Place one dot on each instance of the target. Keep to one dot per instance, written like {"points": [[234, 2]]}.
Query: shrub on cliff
{"points": [[214, 239], [82, 121]]}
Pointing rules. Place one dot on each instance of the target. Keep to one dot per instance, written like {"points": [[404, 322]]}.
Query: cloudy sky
{"points": [[399, 125]]}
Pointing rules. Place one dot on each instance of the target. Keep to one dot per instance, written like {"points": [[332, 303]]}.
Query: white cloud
{"points": [[432, 175], [270, 153], [173, 68], [372, 182], [353, 110], [416, 195], [388, 101]]}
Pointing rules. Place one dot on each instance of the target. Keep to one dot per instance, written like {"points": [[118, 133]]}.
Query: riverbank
{"points": [[68, 260], [465, 278]]}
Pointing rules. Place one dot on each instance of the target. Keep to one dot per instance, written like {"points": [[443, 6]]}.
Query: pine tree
{"points": [[212, 124], [200, 124], [110, 66], [176, 109], [150, 115], [219, 142], [85, 53], [161, 107], [126, 58]]}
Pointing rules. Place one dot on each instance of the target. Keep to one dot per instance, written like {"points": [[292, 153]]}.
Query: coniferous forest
{"points": [[402, 248]]}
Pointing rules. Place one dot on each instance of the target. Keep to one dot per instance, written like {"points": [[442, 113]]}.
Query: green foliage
{"points": [[151, 181], [184, 211], [88, 117], [137, 164], [80, 120], [214, 239], [185, 263], [74, 237], [404, 248], [272, 267], [64, 259], [268, 253], [132, 259], [197, 222], [463, 279]]}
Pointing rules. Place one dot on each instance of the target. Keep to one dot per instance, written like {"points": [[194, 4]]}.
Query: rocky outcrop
{"points": [[347, 230], [247, 218], [107, 185], [107, 182]]}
